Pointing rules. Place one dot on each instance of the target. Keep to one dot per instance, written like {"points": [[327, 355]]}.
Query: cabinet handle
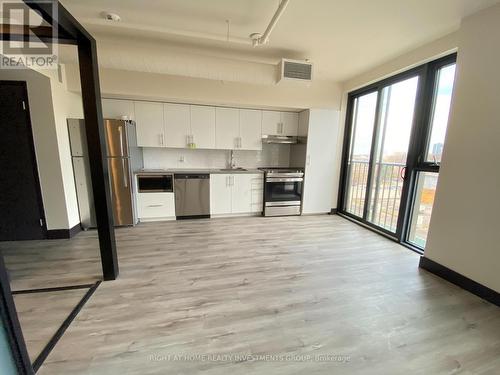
{"points": [[232, 180], [155, 205], [239, 142]]}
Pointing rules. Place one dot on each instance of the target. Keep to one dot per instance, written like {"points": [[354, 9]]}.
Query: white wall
{"points": [[66, 105], [465, 222], [49, 105]]}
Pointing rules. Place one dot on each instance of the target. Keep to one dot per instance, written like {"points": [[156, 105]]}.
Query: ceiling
{"points": [[342, 38]]}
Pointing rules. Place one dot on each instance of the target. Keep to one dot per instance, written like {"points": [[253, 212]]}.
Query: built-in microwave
{"points": [[155, 183]]}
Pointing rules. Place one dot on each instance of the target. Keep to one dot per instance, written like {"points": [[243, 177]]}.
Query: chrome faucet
{"points": [[232, 163]]}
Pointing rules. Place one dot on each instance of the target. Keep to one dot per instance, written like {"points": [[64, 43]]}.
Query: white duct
{"points": [[258, 39]]}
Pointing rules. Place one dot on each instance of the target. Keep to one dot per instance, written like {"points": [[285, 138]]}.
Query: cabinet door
{"points": [[250, 129], [177, 124], [220, 194], [155, 205], [149, 124], [227, 128], [271, 122], [303, 123], [203, 126], [241, 193], [290, 121], [116, 109], [257, 187]]}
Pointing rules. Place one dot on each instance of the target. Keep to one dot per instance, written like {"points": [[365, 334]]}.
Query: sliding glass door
{"points": [[364, 109], [393, 142], [391, 153]]}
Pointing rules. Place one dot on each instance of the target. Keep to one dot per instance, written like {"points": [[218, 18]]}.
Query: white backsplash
{"points": [[272, 155]]}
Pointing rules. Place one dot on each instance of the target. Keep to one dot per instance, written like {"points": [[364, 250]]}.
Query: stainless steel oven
{"points": [[283, 191]]}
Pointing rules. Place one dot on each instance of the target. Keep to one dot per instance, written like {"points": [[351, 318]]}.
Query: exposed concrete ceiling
{"points": [[341, 37]]}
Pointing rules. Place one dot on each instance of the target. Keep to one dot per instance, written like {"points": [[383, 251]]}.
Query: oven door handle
{"points": [[292, 179]]}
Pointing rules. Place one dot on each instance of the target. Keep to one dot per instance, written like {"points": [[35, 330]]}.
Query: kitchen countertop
{"points": [[198, 170]]}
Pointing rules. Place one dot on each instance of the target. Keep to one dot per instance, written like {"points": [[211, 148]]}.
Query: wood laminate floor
{"points": [[295, 295], [41, 315]]}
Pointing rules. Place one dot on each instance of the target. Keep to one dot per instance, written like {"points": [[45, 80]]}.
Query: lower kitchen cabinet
{"points": [[220, 194], [155, 206], [238, 193]]}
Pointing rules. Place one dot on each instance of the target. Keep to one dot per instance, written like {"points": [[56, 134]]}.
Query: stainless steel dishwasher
{"points": [[192, 195]]}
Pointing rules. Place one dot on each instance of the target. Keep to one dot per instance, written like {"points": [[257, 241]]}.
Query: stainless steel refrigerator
{"points": [[122, 155]]}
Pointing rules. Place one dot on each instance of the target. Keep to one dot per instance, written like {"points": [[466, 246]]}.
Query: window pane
{"points": [[440, 113], [393, 139], [363, 122], [422, 209]]}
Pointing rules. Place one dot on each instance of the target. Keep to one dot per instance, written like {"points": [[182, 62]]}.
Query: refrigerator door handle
{"points": [[120, 130], [124, 173]]}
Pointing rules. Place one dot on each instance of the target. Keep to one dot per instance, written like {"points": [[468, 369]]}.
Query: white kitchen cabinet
{"points": [[220, 194], [227, 128], [177, 119], [257, 191], [236, 193], [319, 178], [271, 122], [250, 129], [202, 126], [117, 108], [290, 123], [149, 124], [303, 123], [155, 206], [241, 194], [280, 123]]}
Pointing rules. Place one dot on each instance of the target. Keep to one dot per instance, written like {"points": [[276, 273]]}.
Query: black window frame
{"points": [[416, 159]]}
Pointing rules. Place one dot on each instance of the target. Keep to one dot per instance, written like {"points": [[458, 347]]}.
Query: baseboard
{"points": [[333, 211], [59, 234], [462, 281]]}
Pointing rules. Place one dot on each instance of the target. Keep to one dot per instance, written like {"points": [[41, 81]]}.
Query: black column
{"points": [[91, 96]]}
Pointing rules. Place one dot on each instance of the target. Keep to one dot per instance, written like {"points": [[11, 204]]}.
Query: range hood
{"points": [[279, 139]]}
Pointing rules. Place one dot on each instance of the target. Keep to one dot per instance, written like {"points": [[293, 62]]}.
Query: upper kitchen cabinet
{"points": [[149, 124], [117, 109], [303, 124], [238, 129], [290, 123], [227, 128], [280, 123], [250, 129], [202, 126], [271, 122], [177, 125]]}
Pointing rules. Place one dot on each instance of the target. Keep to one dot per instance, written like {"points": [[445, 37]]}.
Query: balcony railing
{"points": [[385, 194]]}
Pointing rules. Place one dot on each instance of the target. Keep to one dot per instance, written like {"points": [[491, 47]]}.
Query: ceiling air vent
{"points": [[295, 70]]}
